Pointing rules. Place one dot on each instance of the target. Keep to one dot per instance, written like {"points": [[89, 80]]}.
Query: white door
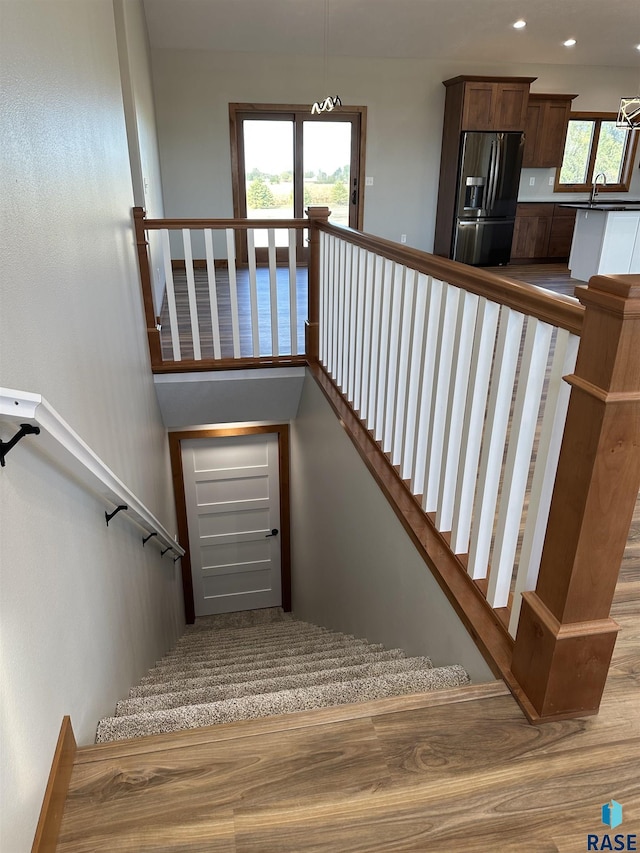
{"points": [[232, 497]]}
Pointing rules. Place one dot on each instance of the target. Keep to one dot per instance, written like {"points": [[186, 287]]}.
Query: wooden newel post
{"points": [[153, 335], [312, 326], [565, 635]]}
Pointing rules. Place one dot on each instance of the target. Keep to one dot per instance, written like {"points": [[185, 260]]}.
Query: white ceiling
{"points": [[607, 31]]}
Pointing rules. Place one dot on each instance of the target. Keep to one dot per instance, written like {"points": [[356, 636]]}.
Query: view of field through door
{"points": [[284, 159]]}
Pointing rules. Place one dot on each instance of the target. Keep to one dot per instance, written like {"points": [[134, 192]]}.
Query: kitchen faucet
{"points": [[594, 188]]}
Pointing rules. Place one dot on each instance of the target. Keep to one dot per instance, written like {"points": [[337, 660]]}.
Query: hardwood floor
{"points": [[554, 277], [263, 293], [468, 776]]}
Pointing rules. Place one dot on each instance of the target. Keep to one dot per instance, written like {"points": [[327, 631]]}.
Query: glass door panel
{"points": [[326, 161], [268, 173]]}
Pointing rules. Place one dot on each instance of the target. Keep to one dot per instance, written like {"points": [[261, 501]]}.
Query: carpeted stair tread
{"points": [[280, 702], [257, 660], [292, 649], [225, 638], [239, 619], [201, 695], [233, 674], [262, 644]]}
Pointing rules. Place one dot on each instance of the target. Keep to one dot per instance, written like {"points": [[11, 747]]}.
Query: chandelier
{"points": [[329, 103], [629, 113]]}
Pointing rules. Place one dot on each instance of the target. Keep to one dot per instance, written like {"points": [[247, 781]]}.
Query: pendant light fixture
{"points": [[629, 113], [330, 102]]}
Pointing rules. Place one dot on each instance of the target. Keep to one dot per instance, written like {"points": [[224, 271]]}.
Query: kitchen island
{"points": [[606, 240]]}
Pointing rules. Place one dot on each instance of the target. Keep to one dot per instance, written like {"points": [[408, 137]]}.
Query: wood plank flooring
{"points": [[469, 776]]}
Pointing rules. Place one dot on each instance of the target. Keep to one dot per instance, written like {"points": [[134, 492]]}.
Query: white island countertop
{"points": [[606, 240]]}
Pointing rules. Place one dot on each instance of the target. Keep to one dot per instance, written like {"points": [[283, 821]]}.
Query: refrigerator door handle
{"points": [[495, 168], [496, 175], [491, 177]]}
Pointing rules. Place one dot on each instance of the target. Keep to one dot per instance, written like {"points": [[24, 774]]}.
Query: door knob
{"points": [[274, 532]]}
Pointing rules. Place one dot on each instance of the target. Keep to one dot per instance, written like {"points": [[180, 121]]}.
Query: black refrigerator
{"points": [[486, 197]]}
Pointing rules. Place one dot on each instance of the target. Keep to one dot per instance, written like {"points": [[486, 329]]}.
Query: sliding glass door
{"points": [[284, 159]]}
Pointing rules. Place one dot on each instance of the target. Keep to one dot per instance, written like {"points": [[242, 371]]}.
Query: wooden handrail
{"points": [[221, 224], [556, 309]]}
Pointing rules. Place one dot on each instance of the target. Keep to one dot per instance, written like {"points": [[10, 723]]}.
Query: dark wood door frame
{"points": [[297, 113], [175, 441]]}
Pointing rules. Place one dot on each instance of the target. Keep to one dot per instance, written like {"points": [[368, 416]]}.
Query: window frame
{"points": [[628, 158]]}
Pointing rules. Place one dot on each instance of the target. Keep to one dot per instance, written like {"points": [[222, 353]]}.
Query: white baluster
{"points": [[479, 375], [395, 342], [171, 295], [383, 349], [359, 329], [233, 291], [417, 331], [462, 350], [516, 471], [353, 322], [546, 464], [404, 350], [253, 292], [439, 401], [365, 373], [293, 292], [376, 295], [213, 292], [500, 394], [425, 386], [273, 291], [191, 293]]}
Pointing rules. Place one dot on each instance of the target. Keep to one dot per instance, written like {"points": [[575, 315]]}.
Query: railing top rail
{"points": [[221, 224], [556, 309]]}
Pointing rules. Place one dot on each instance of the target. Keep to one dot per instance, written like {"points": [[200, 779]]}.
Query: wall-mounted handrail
{"points": [[59, 441]]}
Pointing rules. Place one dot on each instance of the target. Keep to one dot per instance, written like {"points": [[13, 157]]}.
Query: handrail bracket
{"points": [[5, 446]]}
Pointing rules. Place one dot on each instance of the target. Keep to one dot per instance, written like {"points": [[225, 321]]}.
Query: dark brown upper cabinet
{"points": [[490, 103], [546, 130]]}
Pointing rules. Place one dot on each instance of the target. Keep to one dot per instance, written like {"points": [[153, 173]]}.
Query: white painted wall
{"points": [[405, 101], [140, 121], [354, 567], [84, 610]]}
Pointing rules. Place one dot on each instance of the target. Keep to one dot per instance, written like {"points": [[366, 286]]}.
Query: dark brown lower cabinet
{"points": [[543, 232]]}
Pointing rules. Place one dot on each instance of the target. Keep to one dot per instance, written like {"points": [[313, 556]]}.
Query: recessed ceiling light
{"points": [[638, 47], [569, 42], [519, 24]]}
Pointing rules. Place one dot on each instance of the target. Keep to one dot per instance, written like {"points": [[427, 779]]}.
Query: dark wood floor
{"points": [[555, 277], [469, 776]]}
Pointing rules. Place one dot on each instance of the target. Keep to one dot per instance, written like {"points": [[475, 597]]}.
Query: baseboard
{"points": [[55, 795]]}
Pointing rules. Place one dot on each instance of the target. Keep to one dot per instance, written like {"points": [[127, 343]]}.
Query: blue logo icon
{"points": [[612, 814]]}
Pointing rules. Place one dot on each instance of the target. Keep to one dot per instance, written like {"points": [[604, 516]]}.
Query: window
{"points": [[595, 145]]}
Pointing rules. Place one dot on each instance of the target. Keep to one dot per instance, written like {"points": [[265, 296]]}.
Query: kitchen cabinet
{"points": [[546, 130], [494, 104], [561, 234], [543, 232], [531, 231], [473, 104]]}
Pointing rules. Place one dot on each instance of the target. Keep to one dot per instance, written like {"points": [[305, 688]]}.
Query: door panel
{"points": [[232, 501]]}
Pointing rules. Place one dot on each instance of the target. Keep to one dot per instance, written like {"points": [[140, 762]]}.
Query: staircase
{"points": [[262, 663]]}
